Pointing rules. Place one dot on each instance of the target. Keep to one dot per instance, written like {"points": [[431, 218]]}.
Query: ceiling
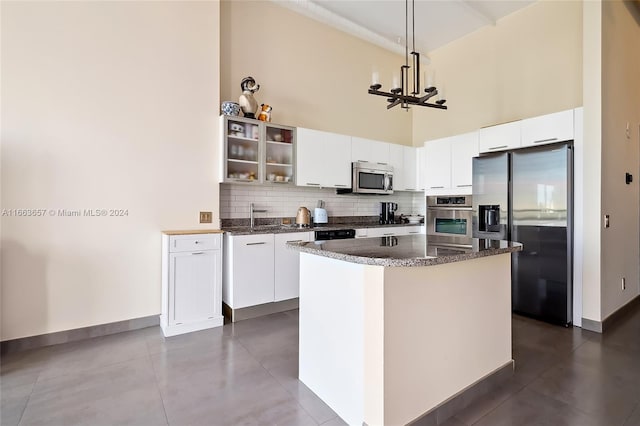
{"points": [[382, 22]]}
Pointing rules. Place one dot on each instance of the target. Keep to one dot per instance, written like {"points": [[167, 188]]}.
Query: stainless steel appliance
{"points": [[526, 196], [370, 178], [449, 216], [387, 213]]}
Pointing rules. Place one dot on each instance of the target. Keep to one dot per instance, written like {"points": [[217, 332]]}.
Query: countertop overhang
{"points": [[283, 229], [405, 250]]}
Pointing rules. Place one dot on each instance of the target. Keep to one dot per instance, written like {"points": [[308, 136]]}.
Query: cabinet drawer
{"points": [[195, 242]]}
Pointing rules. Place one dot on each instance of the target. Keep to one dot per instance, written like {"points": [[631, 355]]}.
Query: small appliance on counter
{"points": [[320, 214], [303, 217], [387, 213]]}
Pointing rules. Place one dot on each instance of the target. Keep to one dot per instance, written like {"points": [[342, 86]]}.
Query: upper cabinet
{"points": [[550, 128], [421, 166], [500, 138], [257, 152], [367, 150], [449, 164], [463, 148], [323, 159], [438, 164], [545, 129]]}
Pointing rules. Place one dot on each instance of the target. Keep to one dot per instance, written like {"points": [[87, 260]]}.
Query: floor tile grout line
{"points": [[519, 389], [636, 407], [27, 402]]}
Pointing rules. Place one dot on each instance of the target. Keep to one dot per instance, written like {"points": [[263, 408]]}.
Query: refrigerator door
{"points": [[491, 188], [541, 220]]}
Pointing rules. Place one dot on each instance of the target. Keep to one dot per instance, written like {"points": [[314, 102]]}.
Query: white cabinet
{"points": [[389, 231], [404, 162], [421, 166], [438, 164], [287, 265], [369, 150], [463, 148], [323, 159], [191, 283], [248, 273], [550, 128], [501, 137], [256, 152]]}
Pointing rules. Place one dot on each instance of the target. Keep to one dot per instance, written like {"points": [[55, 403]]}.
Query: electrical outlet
{"points": [[205, 217], [606, 220], [624, 283]]}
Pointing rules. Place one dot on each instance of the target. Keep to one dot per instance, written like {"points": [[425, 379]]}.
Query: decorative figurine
{"points": [[265, 112], [248, 104]]}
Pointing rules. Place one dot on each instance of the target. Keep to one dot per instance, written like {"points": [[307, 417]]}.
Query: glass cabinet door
{"points": [[279, 154], [243, 151]]}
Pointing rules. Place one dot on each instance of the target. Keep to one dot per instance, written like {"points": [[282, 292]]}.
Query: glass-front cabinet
{"points": [[257, 152], [279, 154]]}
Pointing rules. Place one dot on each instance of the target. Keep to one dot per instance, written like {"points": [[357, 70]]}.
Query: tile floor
{"points": [[245, 374]]}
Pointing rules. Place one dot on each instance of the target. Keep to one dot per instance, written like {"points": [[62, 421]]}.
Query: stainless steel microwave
{"points": [[370, 178]]}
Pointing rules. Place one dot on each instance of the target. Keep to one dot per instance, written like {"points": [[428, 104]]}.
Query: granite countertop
{"points": [[405, 250], [282, 229]]}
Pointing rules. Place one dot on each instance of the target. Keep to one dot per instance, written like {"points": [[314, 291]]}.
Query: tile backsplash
{"points": [[283, 201]]}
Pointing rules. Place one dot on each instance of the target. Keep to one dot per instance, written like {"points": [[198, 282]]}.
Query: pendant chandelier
{"points": [[401, 95]]}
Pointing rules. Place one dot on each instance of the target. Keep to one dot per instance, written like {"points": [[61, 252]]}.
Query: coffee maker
{"points": [[387, 212]]}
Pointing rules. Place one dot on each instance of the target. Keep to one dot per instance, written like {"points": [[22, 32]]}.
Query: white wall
{"points": [[280, 201], [104, 105]]}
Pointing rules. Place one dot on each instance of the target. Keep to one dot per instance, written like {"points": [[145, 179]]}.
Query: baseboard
{"points": [[240, 314], [465, 397], [24, 343], [603, 326]]}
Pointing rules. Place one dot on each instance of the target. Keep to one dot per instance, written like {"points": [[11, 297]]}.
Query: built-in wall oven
{"points": [[449, 216]]}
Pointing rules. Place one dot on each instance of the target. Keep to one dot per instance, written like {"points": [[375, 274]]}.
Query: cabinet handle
{"points": [[546, 140], [414, 232], [255, 244], [498, 147], [384, 164], [339, 185], [386, 235], [314, 184], [294, 241], [200, 252], [409, 189], [463, 186], [436, 187], [362, 161], [196, 242]]}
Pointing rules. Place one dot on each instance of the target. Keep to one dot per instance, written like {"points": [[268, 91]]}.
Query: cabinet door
{"points": [[323, 159], [369, 151], [194, 286], [500, 137], [385, 231], [548, 128], [438, 164], [287, 265], [463, 149], [421, 167], [252, 270], [396, 160], [241, 149], [279, 154], [410, 168]]}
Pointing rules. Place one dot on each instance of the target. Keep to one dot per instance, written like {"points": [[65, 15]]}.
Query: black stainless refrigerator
{"points": [[526, 196]]}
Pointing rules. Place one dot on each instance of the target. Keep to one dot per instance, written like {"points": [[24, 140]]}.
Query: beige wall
{"points": [[592, 182], [104, 105], [528, 64], [313, 75], [620, 104]]}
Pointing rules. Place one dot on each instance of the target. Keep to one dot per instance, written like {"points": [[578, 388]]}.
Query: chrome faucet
{"points": [[253, 210]]}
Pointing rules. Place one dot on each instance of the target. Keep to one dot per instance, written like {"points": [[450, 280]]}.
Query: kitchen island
{"points": [[399, 329]]}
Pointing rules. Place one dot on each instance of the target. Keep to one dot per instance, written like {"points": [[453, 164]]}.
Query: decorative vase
{"points": [[230, 108]]}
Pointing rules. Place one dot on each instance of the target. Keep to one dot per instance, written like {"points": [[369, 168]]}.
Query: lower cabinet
{"points": [[261, 269], [287, 265], [248, 273], [191, 283], [389, 231]]}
